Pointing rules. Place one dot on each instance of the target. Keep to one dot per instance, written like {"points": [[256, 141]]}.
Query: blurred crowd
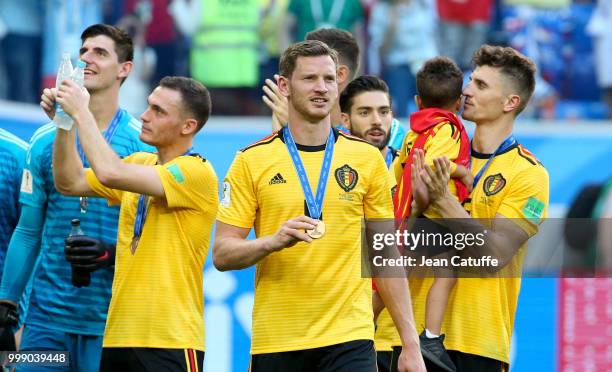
{"points": [[232, 46]]}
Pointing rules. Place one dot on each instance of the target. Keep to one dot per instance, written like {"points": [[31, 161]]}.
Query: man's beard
{"points": [[380, 145]]}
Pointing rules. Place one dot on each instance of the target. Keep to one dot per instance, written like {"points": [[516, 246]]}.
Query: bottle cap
{"points": [[75, 222], [81, 64]]}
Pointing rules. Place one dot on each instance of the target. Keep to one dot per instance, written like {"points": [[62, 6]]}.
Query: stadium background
{"points": [[574, 153]]}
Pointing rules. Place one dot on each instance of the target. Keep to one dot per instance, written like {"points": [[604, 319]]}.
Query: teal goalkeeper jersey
{"points": [[12, 156], [54, 302]]}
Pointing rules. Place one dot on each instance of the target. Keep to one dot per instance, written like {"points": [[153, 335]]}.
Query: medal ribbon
{"points": [[389, 157], [108, 136], [314, 205], [508, 142]]}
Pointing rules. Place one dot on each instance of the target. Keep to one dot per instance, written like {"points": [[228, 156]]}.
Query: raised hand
{"points": [[420, 194], [275, 100], [72, 97], [47, 101]]}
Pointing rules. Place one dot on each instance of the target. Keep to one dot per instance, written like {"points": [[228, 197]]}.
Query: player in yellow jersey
{"points": [[510, 189], [366, 111], [312, 308], [168, 205]]}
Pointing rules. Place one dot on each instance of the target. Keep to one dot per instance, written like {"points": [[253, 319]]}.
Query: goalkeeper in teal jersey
{"points": [[63, 314]]}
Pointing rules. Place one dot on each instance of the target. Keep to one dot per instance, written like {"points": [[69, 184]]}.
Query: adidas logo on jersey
{"points": [[277, 179]]}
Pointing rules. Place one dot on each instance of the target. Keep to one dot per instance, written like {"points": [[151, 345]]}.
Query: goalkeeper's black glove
{"points": [[87, 254], [9, 317]]}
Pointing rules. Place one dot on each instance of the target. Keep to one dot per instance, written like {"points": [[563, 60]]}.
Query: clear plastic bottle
{"points": [[78, 74], [61, 119], [80, 278]]}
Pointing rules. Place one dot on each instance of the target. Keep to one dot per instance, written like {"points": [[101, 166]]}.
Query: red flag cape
{"points": [[423, 123]]}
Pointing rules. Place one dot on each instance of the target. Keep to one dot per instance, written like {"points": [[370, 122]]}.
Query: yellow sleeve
{"points": [[113, 196], [526, 203], [378, 202], [189, 182], [443, 144], [238, 205]]}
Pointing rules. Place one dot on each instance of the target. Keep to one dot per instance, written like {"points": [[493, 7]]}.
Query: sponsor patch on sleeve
{"points": [[226, 197], [533, 210], [27, 182], [175, 171]]}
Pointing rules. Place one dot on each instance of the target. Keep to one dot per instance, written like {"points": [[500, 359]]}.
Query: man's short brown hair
{"points": [[308, 48], [519, 69], [195, 98]]}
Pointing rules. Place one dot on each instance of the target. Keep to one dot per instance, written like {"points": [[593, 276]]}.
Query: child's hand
{"points": [[468, 181], [464, 175]]}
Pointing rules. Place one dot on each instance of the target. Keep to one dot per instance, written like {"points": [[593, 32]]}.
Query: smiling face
{"points": [[162, 122], [370, 117], [312, 87], [103, 69]]}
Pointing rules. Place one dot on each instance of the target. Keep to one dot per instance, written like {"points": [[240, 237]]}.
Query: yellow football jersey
{"points": [[445, 142], [309, 295], [157, 299], [479, 317]]}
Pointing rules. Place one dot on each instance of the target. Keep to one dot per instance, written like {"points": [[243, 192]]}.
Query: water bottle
{"points": [[61, 119], [80, 278], [78, 74]]}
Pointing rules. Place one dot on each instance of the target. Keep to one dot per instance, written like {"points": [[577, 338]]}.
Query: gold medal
{"points": [[135, 241], [318, 231]]}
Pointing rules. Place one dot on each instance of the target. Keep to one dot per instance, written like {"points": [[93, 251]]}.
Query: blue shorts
{"points": [[84, 351]]}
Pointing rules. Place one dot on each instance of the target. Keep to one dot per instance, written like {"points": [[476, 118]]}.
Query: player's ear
{"points": [[343, 74], [124, 69], [346, 122], [418, 101], [190, 126], [512, 102], [458, 104], [283, 85]]}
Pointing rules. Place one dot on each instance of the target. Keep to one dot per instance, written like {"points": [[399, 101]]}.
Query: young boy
{"points": [[439, 132]]}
